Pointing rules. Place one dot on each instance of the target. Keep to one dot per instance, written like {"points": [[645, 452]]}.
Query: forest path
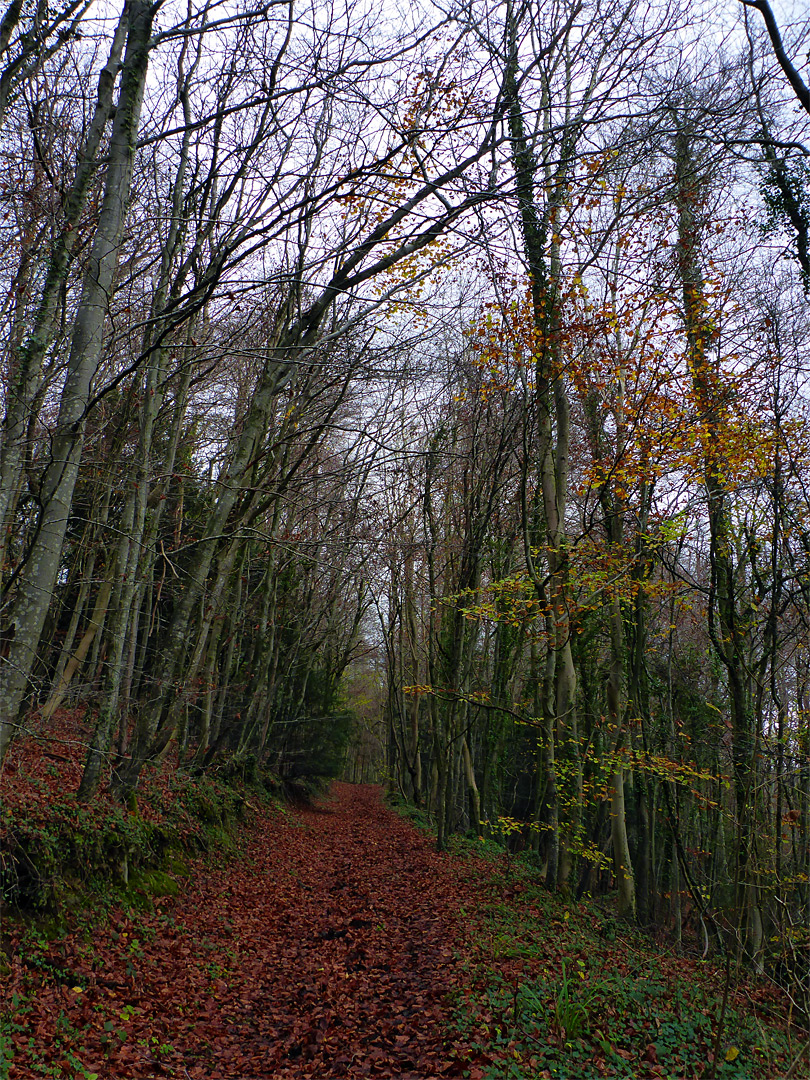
{"points": [[326, 950]]}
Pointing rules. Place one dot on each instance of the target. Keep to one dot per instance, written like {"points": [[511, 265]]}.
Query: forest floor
{"points": [[334, 942], [326, 947]]}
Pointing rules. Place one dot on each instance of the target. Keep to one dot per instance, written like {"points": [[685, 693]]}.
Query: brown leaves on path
{"points": [[327, 948]]}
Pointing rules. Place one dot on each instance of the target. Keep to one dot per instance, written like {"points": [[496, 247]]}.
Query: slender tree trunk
{"points": [[26, 375], [42, 563], [725, 625], [552, 455], [623, 867], [472, 787], [81, 651]]}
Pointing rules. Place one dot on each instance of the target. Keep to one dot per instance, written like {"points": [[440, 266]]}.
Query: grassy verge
{"points": [[561, 989], [57, 852], [422, 819]]}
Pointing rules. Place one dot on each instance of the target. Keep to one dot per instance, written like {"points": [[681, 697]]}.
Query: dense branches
{"points": [[431, 397]]}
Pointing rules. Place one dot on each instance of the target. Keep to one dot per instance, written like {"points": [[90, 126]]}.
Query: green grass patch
{"points": [[561, 989], [418, 816]]}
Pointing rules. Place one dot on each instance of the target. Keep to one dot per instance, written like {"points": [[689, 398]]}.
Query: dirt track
{"points": [[326, 948]]}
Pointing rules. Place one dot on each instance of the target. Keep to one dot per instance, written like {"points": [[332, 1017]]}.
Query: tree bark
{"points": [[41, 567]]}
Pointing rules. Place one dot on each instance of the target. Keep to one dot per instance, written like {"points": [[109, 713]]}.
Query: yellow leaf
{"points": [[732, 1053]]}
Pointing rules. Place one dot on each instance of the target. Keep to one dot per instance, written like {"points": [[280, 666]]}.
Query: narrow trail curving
{"points": [[326, 949]]}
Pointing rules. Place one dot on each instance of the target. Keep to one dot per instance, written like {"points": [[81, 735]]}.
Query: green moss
{"points": [[134, 898], [155, 883], [175, 862], [54, 858]]}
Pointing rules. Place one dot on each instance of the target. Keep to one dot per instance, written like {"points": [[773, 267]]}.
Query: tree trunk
{"points": [[41, 568], [26, 376], [81, 651], [726, 627]]}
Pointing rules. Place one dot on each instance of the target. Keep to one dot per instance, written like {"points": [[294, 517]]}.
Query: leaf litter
{"points": [[326, 947]]}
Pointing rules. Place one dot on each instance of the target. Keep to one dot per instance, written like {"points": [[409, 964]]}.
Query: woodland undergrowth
{"points": [[57, 852], [564, 989], [209, 931]]}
